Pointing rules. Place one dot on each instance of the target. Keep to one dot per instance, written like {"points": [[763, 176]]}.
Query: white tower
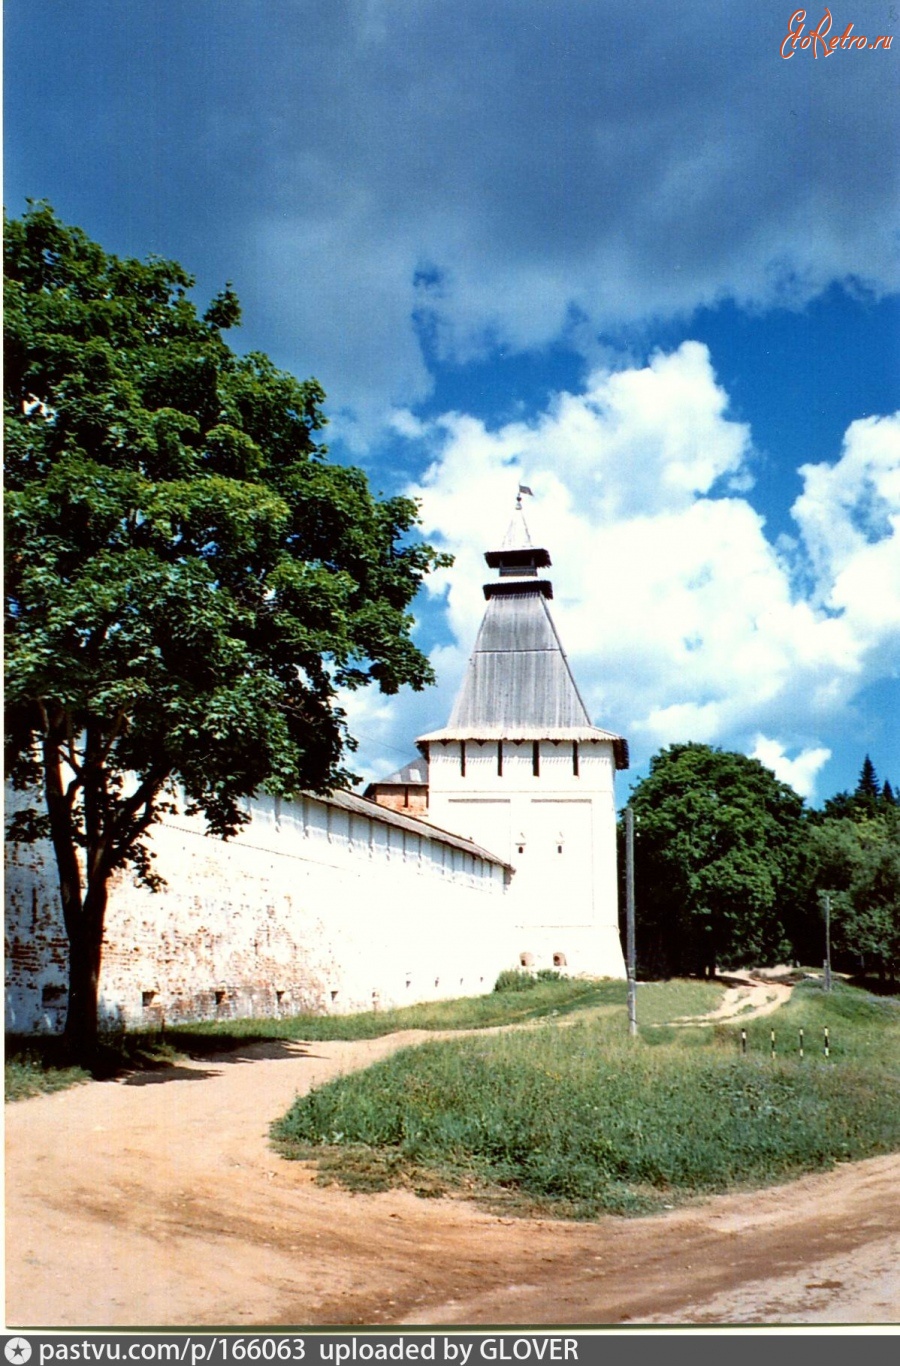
{"points": [[520, 770]]}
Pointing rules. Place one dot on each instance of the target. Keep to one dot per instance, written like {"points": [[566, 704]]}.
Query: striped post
{"points": [[826, 1042], [743, 1041], [773, 1043], [801, 1043]]}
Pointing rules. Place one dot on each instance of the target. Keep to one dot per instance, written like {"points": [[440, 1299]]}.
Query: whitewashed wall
{"points": [[311, 907], [558, 831]]}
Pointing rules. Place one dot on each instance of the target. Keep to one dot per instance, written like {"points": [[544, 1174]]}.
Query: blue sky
{"points": [[627, 253]]}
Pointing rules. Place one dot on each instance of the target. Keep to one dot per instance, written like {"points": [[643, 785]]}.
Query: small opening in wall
{"points": [[334, 995], [279, 997], [437, 981], [221, 997], [536, 758], [53, 995], [559, 960], [462, 758], [575, 757], [408, 980], [499, 758], [526, 960], [147, 998]]}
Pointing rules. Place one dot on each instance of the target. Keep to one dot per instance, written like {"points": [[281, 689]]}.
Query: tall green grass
{"points": [[583, 1120]]}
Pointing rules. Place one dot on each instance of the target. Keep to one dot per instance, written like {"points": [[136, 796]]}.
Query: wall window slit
{"points": [[575, 757], [536, 758], [462, 758], [499, 758]]}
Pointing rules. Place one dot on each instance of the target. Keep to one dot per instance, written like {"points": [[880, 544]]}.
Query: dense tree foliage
{"points": [[857, 862], [852, 852], [189, 580], [717, 842], [730, 867]]}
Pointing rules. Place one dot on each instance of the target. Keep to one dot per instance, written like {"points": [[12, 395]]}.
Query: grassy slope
{"points": [[580, 1120], [36, 1064]]}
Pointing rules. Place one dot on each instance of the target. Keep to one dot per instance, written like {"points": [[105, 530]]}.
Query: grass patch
{"points": [[581, 1121], [660, 1002], [542, 998], [36, 1064], [862, 1028], [27, 1075]]}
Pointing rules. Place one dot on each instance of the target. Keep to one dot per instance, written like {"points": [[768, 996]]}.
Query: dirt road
{"points": [[158, 1202]]}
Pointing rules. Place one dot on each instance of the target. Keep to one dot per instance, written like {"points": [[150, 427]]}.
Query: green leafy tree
{"points": [[857, 862], [189, 580], [716, 850]]}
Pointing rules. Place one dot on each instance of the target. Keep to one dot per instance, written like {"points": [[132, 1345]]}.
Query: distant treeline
{"points": [[732, 868]]}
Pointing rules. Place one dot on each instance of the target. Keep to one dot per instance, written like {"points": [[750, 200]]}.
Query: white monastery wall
{"points": [[556, 827], [311, 907]]}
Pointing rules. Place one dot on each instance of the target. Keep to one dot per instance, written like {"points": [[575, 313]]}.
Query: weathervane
{"points": [[523, 488]]}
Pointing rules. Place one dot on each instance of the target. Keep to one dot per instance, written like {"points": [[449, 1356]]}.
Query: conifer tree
{"points": [[867, 787]]}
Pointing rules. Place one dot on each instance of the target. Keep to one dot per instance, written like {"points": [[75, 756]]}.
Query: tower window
{"points": [[575, 757], [462, 758], [536, 758], [499, 758]]}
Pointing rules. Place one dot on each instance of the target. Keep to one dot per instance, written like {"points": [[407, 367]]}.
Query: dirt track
{"points": [[166, 1183]]}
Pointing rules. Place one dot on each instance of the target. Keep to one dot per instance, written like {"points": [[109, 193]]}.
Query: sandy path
{"points": [[157, 1201], [746, 999]]}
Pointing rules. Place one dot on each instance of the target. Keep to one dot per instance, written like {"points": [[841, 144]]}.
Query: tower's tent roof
{"points": [[518, 674], [518, 685]]}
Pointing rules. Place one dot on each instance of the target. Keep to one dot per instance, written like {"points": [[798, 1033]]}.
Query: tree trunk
{"points": [[84, 909], [108, 827], [85, 932]]}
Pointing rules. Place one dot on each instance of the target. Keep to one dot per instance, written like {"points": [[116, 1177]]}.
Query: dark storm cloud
{"points": [[533, 157]]}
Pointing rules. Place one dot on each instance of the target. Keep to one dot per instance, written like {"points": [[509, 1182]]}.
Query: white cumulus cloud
{"points": [[682, 620], [799, 772]]}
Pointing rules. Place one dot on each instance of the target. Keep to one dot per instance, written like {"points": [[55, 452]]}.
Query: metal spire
{"points": [[517, 535]]}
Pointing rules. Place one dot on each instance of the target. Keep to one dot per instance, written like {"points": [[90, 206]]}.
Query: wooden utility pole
{"points": [[629, 912]]}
